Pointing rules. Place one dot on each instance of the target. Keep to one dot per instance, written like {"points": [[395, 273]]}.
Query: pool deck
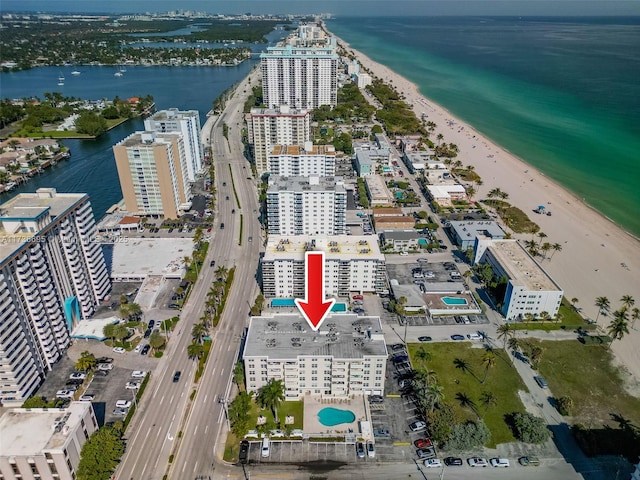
{"points": [[437, 307], [313, 404]]}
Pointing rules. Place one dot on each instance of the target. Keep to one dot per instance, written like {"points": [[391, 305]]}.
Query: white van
{"points": [[265, 447]]}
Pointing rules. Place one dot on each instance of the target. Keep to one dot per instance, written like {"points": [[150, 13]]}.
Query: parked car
{"points": [[477, 462], [541, 382], [404, 254], [151, 324], [77, 376], [429, 452], [243, 456], [176, 376], [474, 336], [404, 383], [212, 263], [104, 360], [358, 297], [119, 411], [105, 366], [381, 433], [147, 332], [400, 358], [64, 394], [424, 339], [371, 449], [376, 399], [132, 385], [397, 346], [432, 463], [119, 350], [138, 374], [123, 404], [423, 443], [499, 462], [529, 461], [457, 337], [360, 449], [145, 349], [87, 398], [72, 385], [101, 373], [453, 461], [417, 426]]}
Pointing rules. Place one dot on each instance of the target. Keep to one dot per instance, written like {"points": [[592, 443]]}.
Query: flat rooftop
{"points": [[377, 188], [520, 267], [29, 207], [296, 150], [141, 257], [289, 336], [147, 139], [30, 431], [278, 183], [339, 247], [467, 230]]}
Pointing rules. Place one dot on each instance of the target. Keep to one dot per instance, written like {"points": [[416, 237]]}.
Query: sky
{"points": [[337, 7]]}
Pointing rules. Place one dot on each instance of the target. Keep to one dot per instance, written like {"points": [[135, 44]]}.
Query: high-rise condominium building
{"points": [[300, 76], [297, 161], [52, 275], [153, 173], [268, 127], [44, 443], [351, 264], [306, 205], [188, 124]]}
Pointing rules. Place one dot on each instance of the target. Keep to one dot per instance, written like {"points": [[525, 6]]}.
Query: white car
{"points": [[417, 426], [77, 376], [433, 463], [404, 254], [138, 348], [87, 398], [132, 385], [123, 404], [474, 336], [64, 394], [119, 350], [105, 366], [499, 462], [138, 374], [477, 462]]}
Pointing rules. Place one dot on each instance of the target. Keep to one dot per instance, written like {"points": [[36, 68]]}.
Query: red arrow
{"points": [[313, 307]]}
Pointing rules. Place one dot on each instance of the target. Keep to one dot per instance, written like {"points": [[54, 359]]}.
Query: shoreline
{"points": [[598, 256]]}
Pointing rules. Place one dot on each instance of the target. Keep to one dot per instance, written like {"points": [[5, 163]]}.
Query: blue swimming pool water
{"points": [[454, 301], [422, 241], [339, 307], [330, 417]]}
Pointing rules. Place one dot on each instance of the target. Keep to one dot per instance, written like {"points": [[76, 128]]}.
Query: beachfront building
{"points": [[464, 232], [351, 263], [44, 443], [437, 173], [445, 195], [529, 288], [399, 240], [297, 161], [345, 358], [363, 79], [300, 76], [417, 161], [187, 123], [52, 276], [153, 173], [377, 191], [306, 205], [267, 127]]}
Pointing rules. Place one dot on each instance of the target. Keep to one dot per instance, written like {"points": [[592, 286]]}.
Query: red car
{"points": [[358, 297], [423, 443]]}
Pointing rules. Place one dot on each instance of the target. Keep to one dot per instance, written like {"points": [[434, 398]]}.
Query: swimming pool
{"points": [[454, 301], [330, 417]]}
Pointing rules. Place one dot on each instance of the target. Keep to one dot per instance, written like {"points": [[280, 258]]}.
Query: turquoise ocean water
{"points": [[563, 94]]}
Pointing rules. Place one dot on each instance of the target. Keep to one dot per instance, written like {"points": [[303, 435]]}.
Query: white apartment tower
{"points": [[300, 76], [297, 161], [268, 127], [351, 264], [153, 172], [346, 357], [186, 123], [306, 205], [52, 275]]}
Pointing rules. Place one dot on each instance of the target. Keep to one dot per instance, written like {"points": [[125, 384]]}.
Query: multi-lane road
{"points": [[168, 422]]}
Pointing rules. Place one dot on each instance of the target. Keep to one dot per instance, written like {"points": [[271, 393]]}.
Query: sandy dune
{"points": [[598, 258]]}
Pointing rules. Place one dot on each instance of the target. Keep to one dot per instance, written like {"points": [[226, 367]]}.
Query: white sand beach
{"points": [[598, 258]]}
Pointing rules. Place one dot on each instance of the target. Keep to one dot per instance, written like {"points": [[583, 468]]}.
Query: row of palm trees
{"points": [[619, 325]]}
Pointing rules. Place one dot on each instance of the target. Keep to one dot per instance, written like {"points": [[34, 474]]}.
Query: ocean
{"points": [[563, 94]]}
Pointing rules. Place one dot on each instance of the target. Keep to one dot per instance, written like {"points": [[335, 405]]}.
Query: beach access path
{"points": [[598, 258]]}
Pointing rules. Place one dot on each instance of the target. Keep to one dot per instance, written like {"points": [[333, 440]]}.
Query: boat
{"points": [[123, 69], [118, 74], [10, 186], [75, 72], [61, 79]]}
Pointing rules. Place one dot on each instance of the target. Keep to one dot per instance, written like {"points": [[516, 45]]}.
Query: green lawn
{"points": [[569, 320], [587, 375], [502, 380], [286, 408]]}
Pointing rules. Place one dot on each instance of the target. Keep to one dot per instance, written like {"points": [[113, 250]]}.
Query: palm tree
{"points": [[109, 331], [198, 332], [545, 247], [603, 305], [619, 326], [466, 402], [423, 355], [439, 137], [471, 192], [435, 395], [635, 314], [574, 301], [544, 316], [514, 344], [494, 192], [488, 360], [505, 332], [541, 235], [627, 301], [271, 396], [86, 361], [529, 317], [195, 350], [488, 399], [535, 355], [221, 272], [556, 247], [157, 341]]}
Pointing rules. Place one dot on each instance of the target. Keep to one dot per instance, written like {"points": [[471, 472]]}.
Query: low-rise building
{"points": [[416, 161], [346, 357], [529, 288], [464, 232], [377, 191], [351, 263], [444, 195], [44, 443], [398, 222], [369, 158], [399, 240], [437, 173]]}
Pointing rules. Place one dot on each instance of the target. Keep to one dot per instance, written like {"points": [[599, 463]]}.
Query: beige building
{"points": [[398, 222], [44, 443], [153, 174], [302, 161]]}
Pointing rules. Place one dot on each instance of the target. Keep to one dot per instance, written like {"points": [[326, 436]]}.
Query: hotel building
{"points": [[351, 264], [186, 123], [268, 127], [529, 289], [306, 206], [346, 357], [297, 161], [52, 275], [44, 443], [153, 173], [300, 76]]}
